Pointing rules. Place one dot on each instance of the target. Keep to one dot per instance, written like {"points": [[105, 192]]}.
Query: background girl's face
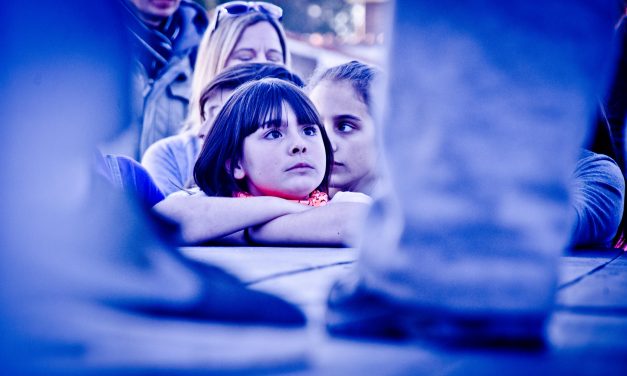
{"points": [[283, 159], [351, 131], [259, 43], [212, 108]]}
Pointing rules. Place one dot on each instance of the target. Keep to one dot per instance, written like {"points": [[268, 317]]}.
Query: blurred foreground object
{"points": [[488, 106], [85, 284]]}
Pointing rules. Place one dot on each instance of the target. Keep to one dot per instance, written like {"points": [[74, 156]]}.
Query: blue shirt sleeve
{"points": [[128, 175]]}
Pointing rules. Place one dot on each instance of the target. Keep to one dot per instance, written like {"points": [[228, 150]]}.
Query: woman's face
{"points": [[285, 159], [351, 131], [259, 43]]}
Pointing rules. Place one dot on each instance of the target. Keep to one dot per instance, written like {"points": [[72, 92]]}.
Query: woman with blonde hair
{"points": [[241, 32]]}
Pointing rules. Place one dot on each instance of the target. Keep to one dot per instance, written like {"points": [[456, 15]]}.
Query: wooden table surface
{"points": [[587, 334]]}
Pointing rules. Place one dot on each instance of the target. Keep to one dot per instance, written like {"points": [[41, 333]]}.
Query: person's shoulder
{"points": [[171, 144], [132, 169]]}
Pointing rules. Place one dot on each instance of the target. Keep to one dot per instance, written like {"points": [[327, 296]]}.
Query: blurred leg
{"points": [[488, 104]]}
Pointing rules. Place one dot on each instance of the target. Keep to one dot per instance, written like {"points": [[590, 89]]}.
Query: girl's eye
{"points": [[310, 131], [345, 127], [273, 135]]}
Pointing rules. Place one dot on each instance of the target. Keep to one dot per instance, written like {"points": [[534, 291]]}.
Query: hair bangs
{"points": [[263, 102], [302, 106]]}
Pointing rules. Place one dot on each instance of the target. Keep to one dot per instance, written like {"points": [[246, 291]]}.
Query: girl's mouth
{"points": [[300, 166]]}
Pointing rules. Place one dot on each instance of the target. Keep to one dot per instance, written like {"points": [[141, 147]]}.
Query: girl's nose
{"points": [[333, 143], [298, 149]]}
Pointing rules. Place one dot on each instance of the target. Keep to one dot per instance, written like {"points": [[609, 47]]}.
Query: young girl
{"points": [[342, 95], [266, 141], [264, 168]]}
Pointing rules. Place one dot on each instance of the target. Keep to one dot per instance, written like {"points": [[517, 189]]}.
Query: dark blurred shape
{"points": [[615, 103], [608, 136], [85, 284]]}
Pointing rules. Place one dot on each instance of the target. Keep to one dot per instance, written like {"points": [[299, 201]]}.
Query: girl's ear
{"points": [[238, 171]]}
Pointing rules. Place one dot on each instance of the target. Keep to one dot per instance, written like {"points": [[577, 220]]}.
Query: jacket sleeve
{"points": [[598, 190]]}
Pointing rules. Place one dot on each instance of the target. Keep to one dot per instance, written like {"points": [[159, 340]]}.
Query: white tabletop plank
{"points": [[255, 264]]}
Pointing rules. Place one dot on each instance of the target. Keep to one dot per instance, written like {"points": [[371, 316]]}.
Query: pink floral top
{"points": [[316, 198]]}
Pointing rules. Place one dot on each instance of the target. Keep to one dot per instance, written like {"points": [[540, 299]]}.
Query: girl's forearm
{"points": [[202, 218]]}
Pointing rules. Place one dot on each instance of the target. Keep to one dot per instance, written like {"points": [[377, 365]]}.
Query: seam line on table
{"points": [[581, 277], [292, 272]]}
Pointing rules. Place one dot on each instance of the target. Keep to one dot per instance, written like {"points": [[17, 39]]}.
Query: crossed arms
{"points": [[268, 220]]}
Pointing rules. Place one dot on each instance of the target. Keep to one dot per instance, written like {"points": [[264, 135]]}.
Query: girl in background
{"points": [[171, 161], [342, 95]]}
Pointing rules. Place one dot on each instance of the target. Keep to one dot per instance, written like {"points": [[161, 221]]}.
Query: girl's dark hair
{"points": [[358, 74], [248, 107], [235, 76]]}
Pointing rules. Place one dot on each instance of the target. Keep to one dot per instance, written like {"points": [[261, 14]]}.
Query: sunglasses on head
{"points": [[238, 8]]}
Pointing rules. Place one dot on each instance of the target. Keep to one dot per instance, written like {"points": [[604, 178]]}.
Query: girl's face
{"points": [[283, 159], [351, 131], [258, 43]]}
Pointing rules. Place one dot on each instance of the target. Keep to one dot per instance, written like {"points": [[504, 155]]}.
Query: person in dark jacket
{"points": [[165, 37]]}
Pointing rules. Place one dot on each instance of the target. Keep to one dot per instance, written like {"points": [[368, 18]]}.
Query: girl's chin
{"points": [[293, 189], [299, 191]]}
